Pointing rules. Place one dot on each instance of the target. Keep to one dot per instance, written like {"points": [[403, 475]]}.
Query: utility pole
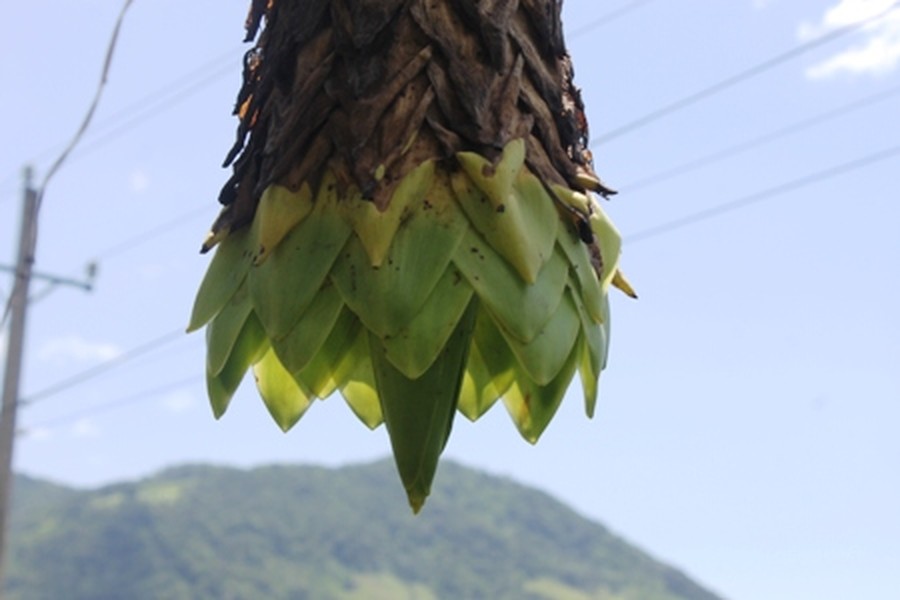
{"points": [[18, 304]]}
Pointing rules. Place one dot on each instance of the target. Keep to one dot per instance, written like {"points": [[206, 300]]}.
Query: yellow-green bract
{"points": [[472, 286]]}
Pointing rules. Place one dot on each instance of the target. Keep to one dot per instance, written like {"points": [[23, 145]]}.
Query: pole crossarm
{"points": [[84, 284]]}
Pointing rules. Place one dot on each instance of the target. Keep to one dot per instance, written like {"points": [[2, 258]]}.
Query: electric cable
{"points": [[643, 235], [760, 196], [91, 411], [102, 140], [103, 367], [153, 233], [739, 77], [89, 116], [86, 121], [151, 105], [741, 147]]}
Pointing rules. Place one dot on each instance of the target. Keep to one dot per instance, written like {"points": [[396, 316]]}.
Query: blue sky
{"points": [[747, 425]]}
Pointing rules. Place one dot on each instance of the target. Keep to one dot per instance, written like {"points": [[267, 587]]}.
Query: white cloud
{"points": [[761, 4], [179, 402], [877, 53], [73, 347], [139, 181], [85, 428]]}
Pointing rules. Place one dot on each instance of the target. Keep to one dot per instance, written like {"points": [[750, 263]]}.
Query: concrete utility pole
{"points": [[18, 304]]}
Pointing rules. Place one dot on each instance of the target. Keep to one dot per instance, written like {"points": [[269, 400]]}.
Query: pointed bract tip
{"points": [[416, 501], [619, 282], [590, 181], [212, 240]]}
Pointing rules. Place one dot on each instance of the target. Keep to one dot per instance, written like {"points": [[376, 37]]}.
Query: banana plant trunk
{"points": [[412, 221]]}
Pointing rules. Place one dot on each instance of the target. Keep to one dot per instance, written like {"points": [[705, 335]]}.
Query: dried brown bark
{"points": [[371, 88]]}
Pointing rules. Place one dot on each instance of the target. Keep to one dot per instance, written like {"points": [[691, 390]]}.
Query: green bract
{"points": [[411, 220], [473, 286]]}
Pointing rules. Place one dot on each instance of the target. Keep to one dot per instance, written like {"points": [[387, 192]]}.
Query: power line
{"points": [[204, 74], [89, 116], [103, 367], [740, 77], [115, 404], [652, 232], [648, 181], [149, 106], [741, 147], [766, 194], [86, 121], [175, 99], [18, 301], [153, 233], [607, 18]]}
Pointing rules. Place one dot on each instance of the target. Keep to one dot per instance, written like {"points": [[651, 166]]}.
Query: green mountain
{"points": [[306, 532]]}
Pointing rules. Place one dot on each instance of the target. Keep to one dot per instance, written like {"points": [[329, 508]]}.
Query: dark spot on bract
{"points": [[584, 232]]}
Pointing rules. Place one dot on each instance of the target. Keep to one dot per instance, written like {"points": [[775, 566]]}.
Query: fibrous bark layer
{"points": [[373, 88]]}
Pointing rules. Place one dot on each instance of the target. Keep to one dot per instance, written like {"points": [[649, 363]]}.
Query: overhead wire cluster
{"points": [[741, 76], [188, 86]]}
